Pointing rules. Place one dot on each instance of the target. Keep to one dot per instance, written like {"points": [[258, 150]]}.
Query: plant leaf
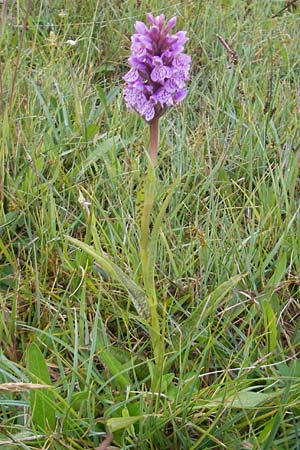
{"points": [[135, 292], [107, 357], [118, 423], [242, 400], [270, 324], [42, 401], [152, 245]]}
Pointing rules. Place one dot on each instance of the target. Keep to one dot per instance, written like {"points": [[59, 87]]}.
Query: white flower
{"points": [[71, 42]]}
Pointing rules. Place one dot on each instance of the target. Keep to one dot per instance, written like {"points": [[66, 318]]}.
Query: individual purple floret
{"points": [[159, 68]]}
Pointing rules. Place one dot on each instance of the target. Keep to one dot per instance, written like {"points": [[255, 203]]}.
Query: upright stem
{"points": [[154, 136], [146, 248]]}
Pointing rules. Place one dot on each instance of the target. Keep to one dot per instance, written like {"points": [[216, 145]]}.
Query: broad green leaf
{"points": [[248, 400], [278, 245], [266, 430], [135, 292], [42, 401], [242, 400], [280, 271], [119, 423], [78, 398], [270, 324], [275, 424], [115, 367], [166, 381], [125, 413], [91, 131]]}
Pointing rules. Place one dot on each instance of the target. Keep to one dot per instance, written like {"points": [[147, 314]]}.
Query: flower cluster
{"points": [[159, 68]]}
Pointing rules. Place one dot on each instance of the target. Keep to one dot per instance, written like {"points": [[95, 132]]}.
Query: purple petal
{"points": [[145, 40], [171, 24], [135, 63], [157, 61], [140, 27], [163, 97], [160, 73], [154, 34], [148, 111], [160, 20], [176, 49], [180, 76], [167, 56], [140, 101], [129, 97], [150, 18], [179, 96], [131, 76], [171, 85], [182, 61], [181, 37], [138, 50]]}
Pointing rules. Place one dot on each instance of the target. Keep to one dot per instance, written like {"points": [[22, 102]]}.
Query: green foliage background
{"points": [[228, 265]]}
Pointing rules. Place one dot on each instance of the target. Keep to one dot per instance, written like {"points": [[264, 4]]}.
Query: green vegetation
{"points": [[76, 358]]}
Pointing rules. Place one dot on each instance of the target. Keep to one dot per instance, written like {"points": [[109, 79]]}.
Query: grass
{"points": [[227, 266]]}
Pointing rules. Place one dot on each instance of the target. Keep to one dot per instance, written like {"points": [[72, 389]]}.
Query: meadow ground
{"points": [[227, 269]]}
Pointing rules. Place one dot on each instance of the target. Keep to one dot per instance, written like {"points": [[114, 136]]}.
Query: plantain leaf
{"points": [[42, 401]]}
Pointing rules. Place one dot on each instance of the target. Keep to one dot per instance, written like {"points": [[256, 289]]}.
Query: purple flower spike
{"points": [[159, 68]]}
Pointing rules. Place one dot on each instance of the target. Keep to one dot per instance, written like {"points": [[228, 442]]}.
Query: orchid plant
{"points": [[156, 81]]}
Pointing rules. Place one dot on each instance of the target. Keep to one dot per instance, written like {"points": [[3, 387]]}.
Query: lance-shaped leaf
{"points": [[42, 401], [135, 292]]}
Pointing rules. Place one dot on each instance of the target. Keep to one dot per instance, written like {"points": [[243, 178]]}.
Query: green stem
{"points": [[154, 137], [146, 249]]}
